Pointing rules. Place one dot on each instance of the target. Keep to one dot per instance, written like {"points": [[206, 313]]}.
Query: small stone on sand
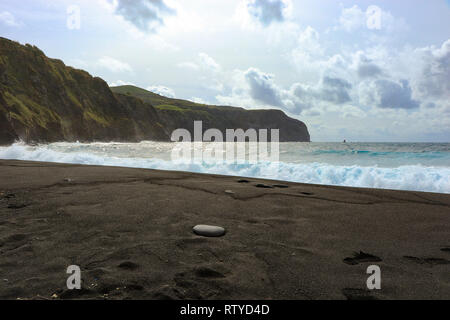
{"points": [[208, 231], [229, 191]]}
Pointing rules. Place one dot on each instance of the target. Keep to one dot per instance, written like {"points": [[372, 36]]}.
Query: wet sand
{"points": [[130, 231]]}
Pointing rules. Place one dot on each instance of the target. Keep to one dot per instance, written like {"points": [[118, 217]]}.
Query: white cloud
{"points": [[262, 88], [114, 65], [310, 39], [312, 113], [203, 61], [162, 90], [426, 69], [145, 15], [365, 67], [199, 100], [352, 18], [328, 92], [435, 72], [389, 94], [187, 20], [209, 63], [121, 83], [78, 63], [188, 65], [335, 90], [268, 11], [8, 19], [254, 88], [348, 84], [309, 55], [213, 75], [252, 13]]}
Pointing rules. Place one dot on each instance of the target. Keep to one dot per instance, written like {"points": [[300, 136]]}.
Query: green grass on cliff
{"points": [[161, 102], [90, 115], [73, 98], [29, 112], [170, 108], [144, 95]]}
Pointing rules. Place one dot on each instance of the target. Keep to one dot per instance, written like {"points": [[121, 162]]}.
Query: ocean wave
{"points": [[408, 177], [396, 154]]}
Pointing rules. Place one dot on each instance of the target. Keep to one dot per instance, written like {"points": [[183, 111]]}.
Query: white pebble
{"points": [[209, 231]]}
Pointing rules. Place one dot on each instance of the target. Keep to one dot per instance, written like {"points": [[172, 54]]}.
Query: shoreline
{"points": [[130, 231]]}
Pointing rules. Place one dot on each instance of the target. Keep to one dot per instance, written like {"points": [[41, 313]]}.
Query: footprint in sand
{"points": [[200, 273], [134, 287], [357, 294], [128, 265], [14, 242], [427, 261], [204, 272], [16, 206], [264, 186], [307, 193], [16, 238], [75, 294], [182, 290], [243, 181], [200, 282], [360, 257], [446, 249], [281, 186], [7, 195], [12, 200]]}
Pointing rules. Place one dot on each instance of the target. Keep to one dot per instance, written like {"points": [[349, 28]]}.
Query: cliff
{"points": [[176, 113], [43, 100]]}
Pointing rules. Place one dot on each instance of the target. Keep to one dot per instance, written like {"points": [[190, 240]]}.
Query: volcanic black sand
{"points": [[130, 231]]}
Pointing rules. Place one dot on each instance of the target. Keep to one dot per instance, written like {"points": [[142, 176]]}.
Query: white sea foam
{"points": [[405, 177]]}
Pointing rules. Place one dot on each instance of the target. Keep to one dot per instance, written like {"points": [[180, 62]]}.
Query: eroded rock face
{"points": [[43, 100], [7, 132]]}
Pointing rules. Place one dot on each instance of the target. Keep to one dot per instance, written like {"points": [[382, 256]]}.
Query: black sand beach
{"points": [[130, 231]]}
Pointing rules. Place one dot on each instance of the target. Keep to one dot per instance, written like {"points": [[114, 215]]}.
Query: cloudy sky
{"points": [[356, 70]]}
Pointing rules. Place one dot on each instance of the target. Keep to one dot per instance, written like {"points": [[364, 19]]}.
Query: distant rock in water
{"points": [[43, 100]]}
